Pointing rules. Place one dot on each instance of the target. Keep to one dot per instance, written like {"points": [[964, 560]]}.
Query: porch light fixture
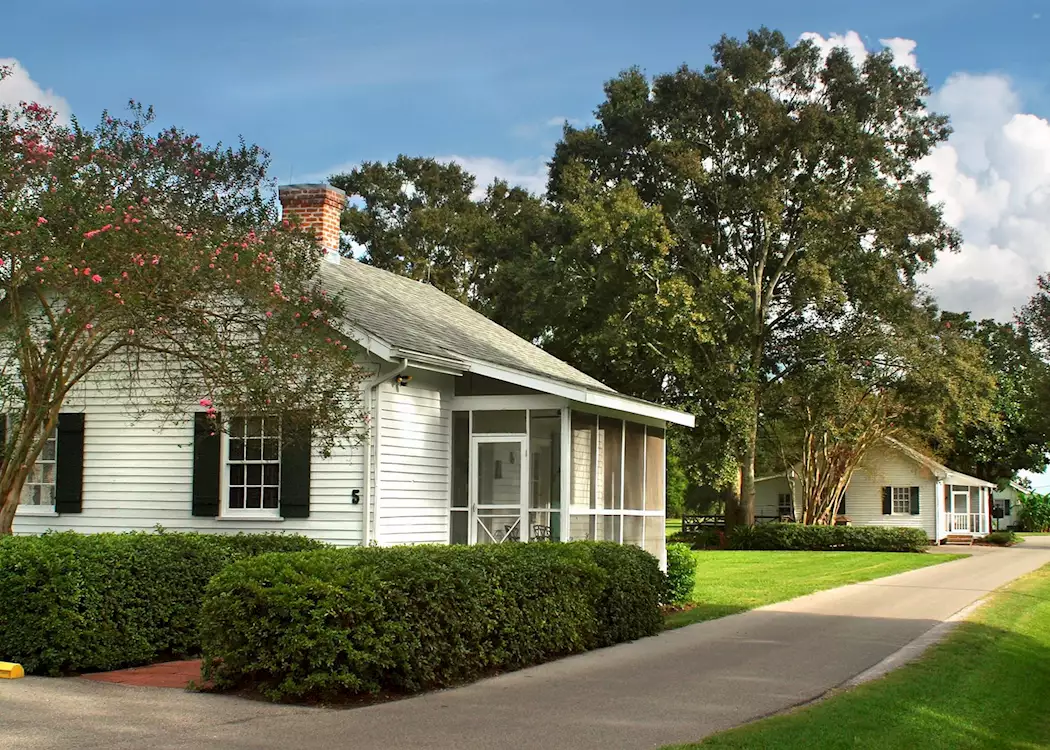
{"points": [[402, 379]]}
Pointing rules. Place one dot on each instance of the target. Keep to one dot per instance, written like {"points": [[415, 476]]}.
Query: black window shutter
{"points": [[69, 468], [887, 501], [295, 467], [842, 504], [206, 465], [1006, 506], [915, 501]]}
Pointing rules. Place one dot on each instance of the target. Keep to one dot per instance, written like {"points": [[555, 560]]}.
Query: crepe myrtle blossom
{"points": [[136, 271]]}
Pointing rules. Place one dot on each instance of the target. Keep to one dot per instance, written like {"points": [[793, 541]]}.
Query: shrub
{"points": [[706, 539], [1035, 511], [681, 573], [342, 622], [1002, 538], [80, 602], [795, 536]]}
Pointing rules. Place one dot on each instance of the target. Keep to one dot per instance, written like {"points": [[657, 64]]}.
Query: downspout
{"points": [[372, 401]]}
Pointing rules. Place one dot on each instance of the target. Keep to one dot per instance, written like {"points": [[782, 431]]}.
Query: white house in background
{"points": [[895, 485], [476, 436], [1008, 499]]}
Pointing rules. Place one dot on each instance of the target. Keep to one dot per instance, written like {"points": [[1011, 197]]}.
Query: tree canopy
{"points": [[160, 260]]}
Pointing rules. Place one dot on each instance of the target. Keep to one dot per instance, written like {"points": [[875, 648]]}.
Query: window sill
{"points": [[249, 518], [29, 510]]}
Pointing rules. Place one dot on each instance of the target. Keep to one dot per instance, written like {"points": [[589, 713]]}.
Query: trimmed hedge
{"points": [[82, 602], [344, 622], [681, 573], [796, 536], [705, 539], [1003, 538]]}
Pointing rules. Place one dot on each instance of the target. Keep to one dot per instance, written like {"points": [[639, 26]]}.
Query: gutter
{"points": [[372, 400]]}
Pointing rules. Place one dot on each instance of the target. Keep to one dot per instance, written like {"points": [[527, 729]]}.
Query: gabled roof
{"points": [[397, 317], [939, 470]]}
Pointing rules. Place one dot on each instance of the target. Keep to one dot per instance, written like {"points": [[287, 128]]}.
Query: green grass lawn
{"points": [[986, 686], [733, 581]]}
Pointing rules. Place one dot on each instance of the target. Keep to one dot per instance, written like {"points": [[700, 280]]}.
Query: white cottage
{"points": [[1006, 506], [895, 485], [476, 436]]}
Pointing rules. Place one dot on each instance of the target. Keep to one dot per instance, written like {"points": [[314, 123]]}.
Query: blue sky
{"points": [[324, 84], [321, 83]]}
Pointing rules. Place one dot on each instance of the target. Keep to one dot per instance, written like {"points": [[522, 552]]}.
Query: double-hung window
{"points": [[901, 500], [784, 505], [38, 491], [253, 465]]}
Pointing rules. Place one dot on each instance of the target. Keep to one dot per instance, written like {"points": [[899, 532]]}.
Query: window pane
{"points": [[634, 469], [253, 449], [545, 452], [49, 451], [236, 449], [253, 497], [47, 494], [272, 474], [584, 437], [460, 462], [610, 526], [499, 421], [253, 474], [255, 426], [654, 469], [47, 472], [610, 439], [237, 474], [271, 449], [270, 497], [237, 427], [236, 497]]}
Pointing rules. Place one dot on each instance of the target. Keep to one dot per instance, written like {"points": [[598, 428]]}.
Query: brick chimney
{"points": [[316, 207]]}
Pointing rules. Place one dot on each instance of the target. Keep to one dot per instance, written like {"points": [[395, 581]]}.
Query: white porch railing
{"points": [[973, 523]]}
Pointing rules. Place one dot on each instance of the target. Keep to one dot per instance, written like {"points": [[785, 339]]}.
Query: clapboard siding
{"points": [[767, 493], [413, 459], [138, 474], [888, 467]]}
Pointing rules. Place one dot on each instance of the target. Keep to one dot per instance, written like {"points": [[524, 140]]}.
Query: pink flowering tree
{"points": [[159, 264]]}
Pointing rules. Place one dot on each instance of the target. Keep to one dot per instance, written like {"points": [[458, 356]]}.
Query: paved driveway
{"points": [[675, 687]]}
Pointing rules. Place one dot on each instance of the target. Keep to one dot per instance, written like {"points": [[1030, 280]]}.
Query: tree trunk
{"points": [[7, 511]]}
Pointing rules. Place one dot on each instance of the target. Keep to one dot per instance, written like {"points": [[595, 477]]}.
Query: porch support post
{"points": [[566, 469], [939, 515]]}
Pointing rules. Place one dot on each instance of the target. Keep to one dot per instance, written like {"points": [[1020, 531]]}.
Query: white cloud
{"points": [[19, 87], [530, 174], [993, 178]]}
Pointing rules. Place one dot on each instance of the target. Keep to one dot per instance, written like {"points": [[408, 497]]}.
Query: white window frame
{"points": [[228, 463], [39, 510], [900, 495]]}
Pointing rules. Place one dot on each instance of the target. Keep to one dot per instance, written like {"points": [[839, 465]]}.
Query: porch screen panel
{"points": [[505, 422], [610, 443], [634, 530], [634, 469], [581, 527], [584, 439], [655, 531], [460, 477], [545, 477], [654, 470], [610, 528]]}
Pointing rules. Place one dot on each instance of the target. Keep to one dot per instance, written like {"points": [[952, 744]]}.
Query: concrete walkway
{"points": [[676, 687]]}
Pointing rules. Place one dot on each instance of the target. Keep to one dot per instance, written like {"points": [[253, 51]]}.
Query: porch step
{"points": [[964, 539]]}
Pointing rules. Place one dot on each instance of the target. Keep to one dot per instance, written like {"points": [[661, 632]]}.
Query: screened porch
{"points": [[550, 472]]}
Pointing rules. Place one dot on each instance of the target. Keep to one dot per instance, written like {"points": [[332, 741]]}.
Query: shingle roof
{"points": [[412, 316]]}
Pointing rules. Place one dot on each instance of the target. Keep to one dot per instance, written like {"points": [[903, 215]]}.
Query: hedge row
{"points": [[342, 622], [796, 536], [80, 602]]}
